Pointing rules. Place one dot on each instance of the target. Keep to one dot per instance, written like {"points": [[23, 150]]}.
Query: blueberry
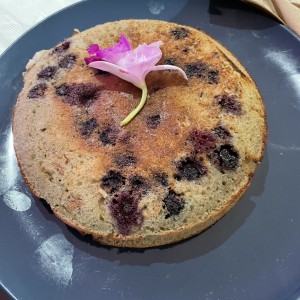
{"points": [[112, 181], [203, 141], [173, 204], [189, 169], [63, 90], [180, 33], [124, 209], [153, 121], [170, 61], [197, 69], [67, 61], [108, 137], [62, 47], [125, 159], [229, 104], [86, 128], [225, 158], [203, 71], [78, 93], [138, 183], [47, 73], [213, 76], [222, 133], [37, 91], [161, 178]]}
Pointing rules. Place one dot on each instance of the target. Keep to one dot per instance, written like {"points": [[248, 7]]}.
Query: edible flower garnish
{"points": [[129, 64]]}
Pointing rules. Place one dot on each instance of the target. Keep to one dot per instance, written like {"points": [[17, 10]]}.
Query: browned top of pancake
{"points": [[78, 110]]}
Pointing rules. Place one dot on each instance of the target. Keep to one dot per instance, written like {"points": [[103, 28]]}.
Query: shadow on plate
{"points": [[199, 245]]}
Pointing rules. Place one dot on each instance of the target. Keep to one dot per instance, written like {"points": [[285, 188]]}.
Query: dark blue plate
{"points": [[252, 253]]}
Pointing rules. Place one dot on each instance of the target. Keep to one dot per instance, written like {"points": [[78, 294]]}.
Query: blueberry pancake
{"points": [[170, 173]]}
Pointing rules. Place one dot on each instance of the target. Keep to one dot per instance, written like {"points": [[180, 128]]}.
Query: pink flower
{"points": [[132, 65], [108, 54]]}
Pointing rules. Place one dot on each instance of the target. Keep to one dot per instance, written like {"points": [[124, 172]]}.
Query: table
{"points": [[17, 16]]}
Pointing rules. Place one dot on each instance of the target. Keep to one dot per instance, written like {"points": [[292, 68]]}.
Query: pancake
{"points": [[174, 170]]}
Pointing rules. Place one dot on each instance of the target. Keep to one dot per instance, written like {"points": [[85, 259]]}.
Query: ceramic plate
{"points": [[252, 253]]}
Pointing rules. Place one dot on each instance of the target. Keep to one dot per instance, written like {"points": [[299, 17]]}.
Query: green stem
{"points": [[138, 108]]}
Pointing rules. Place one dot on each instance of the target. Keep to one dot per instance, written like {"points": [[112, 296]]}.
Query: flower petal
{"points": [[169, 67], [92, 58], [112, 54], [118, 71], [144, 56], [141, 60], [124, 44], [93, 48], [129, 64]]}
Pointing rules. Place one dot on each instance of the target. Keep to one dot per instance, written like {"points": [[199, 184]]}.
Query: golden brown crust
{"points": [[63, 164], [163, 238]]}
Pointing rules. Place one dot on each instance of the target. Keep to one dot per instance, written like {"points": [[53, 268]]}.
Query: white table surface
{"points": [[17, 16]]}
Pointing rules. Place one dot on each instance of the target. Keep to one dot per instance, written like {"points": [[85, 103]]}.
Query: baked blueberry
{"points": [[86, 128], [139, 184], [229, 104], [78, 93], [161, 178], [68, 61], [62, 47], [124, 209], [108, 136], [225, 158], [47, 73], [222, 133], [203, 141], [37, 91], [112, 181], [180, 33], [153, 121], [125, 159], [173, 204], [189, 169]]}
